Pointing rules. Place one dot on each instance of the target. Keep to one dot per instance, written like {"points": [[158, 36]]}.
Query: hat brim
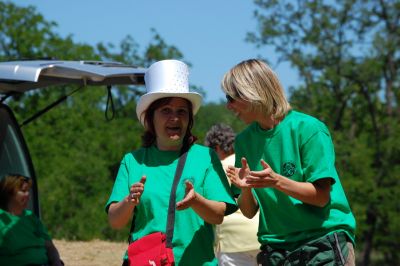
{"points": [[145, 101]]}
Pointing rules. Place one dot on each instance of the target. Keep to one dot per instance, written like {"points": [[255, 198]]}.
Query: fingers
{"points": [[182, 205], [188, 185], [136, 192], [244, 162], [260, 182], [265, 173], [264, 164], [231, 168], [137, 189], [190, 195]]}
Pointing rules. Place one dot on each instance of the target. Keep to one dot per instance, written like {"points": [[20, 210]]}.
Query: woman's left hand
{"points": [[264, 178], [190, 197]]}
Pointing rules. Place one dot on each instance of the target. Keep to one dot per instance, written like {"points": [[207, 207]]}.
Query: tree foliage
{"points": [[347, 55], [75, 150]]}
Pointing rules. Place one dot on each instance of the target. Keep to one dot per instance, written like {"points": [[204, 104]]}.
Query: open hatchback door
{"points": [[21, 76]]}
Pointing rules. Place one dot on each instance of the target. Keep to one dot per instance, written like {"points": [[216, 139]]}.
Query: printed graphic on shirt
{"points": [[288, 169], [190, 179]]}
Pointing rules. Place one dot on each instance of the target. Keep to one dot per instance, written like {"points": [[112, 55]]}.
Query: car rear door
{"points": [[14, 154]]}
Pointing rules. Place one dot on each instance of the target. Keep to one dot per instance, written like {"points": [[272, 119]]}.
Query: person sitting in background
{"points": [[23, 238], [236, 238]]}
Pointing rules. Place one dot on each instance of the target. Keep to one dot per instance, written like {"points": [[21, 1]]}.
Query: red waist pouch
{"points": [[151, 250]]}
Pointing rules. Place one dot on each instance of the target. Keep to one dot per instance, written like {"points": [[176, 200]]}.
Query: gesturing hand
{"points": [[190, 196], [263, 178], [136, 191], [238, 175]]}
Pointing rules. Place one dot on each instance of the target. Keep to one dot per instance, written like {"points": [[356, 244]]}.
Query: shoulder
{"points": [[200, 149], [27, 212], [205, 153], [305, 126], [306, 122], [29, 215], [129, 156]]}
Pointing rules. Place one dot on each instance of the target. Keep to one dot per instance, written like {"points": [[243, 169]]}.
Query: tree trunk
{"points": [[369, 236]]}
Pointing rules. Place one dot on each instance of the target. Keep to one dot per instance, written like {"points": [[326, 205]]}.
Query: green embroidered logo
{"points": [[288, 169]]}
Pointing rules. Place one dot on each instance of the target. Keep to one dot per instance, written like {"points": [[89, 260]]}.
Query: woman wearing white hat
{"points": [[143, 184]]}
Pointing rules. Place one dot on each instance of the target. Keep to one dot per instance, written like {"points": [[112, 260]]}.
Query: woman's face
{"points": [[20, 199], [170, 123], [241, 109]]}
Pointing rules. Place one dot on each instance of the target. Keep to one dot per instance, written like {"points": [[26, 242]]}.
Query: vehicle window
{"points": [[14, 156]]}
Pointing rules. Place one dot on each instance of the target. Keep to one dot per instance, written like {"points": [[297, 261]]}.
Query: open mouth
{"points": [[174, 130]]}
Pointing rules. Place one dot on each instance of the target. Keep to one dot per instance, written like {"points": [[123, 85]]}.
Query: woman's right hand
{"points": [[136, 191], [237, 176]]}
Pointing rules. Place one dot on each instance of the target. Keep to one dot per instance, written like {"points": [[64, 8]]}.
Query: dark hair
{"points": [[220, 135], [149, 136], [9, 186]]}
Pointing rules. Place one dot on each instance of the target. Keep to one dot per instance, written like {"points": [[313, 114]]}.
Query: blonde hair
{"points": [[254, 81]]}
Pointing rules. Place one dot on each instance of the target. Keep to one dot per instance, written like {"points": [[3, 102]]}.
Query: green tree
{"points": [[347, 56], [75, 149]]}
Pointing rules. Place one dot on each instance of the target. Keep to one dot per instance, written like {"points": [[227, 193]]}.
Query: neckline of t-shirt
{"points": [[156, 149], [273, 131]]}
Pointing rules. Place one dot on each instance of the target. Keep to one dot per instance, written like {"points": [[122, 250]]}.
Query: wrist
{"points": [[246, 191], [279, 181], [196, 199]]}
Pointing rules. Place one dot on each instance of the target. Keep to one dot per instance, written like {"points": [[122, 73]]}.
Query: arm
{"points": [[211, 211], [317, 193], [247, 203], [52, 254], [119, 213]]}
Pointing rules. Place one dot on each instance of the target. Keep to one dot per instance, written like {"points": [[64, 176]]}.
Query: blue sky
{"points": [[210, 33]]}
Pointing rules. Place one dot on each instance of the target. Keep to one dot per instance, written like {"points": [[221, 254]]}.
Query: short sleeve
{"points": [[121, 186], [216, 185], [318, 157]]}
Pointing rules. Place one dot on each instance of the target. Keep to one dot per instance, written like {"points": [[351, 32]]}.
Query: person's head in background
{"points": [[167, 109], [220, 137], [14, 193], [254, 93]]}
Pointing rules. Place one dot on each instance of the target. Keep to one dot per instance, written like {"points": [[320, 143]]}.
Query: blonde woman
{"points": [[285, 163]]}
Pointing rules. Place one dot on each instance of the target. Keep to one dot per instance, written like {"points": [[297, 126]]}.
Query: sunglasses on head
{"points": [[229, 98]]}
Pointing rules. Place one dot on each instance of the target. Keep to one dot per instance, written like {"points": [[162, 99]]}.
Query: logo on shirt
{"points": [[190, 179], [288, 169]]}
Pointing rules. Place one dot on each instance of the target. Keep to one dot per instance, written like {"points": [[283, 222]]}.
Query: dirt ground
{"points": [[92, 253]]}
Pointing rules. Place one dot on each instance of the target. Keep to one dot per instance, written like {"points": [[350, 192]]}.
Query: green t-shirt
{"points": [[299, 148], [22, 239], [193, 237]]}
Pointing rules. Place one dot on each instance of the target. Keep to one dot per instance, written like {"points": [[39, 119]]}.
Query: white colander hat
{"points": [[167, 78]]}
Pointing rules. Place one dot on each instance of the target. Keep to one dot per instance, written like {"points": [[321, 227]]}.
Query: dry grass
{"points": [[92, 253]]}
